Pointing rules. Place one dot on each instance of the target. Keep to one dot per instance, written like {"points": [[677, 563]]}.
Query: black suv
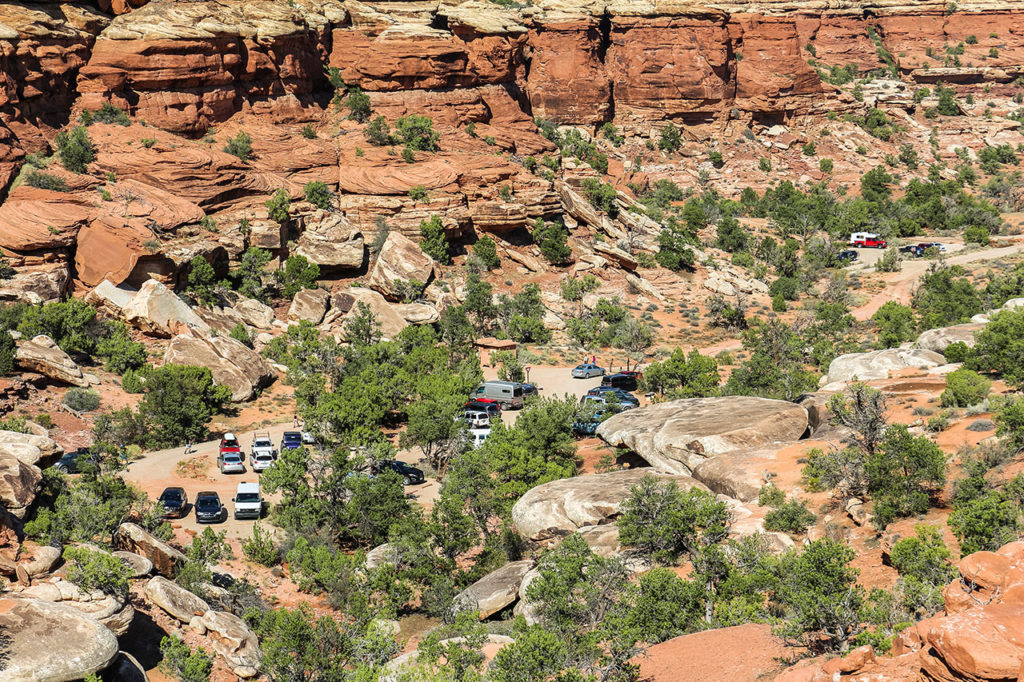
{"points": [[627, 382], [411, 474], [209, 508], [174, 501]]}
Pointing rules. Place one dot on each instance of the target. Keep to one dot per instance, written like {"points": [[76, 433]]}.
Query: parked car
{"points": [[529, 390], [291, 440], [478, 436], [263, 445], [938, 245], [230, 463], [308, 439], [229, 443], [601, 403], [209, 508], [617, 393], [477, 419], [261, 461], [912, 250], [410, 474], [587, 370], [71, 461], [507, 394], [248, 501], [627, 382], [174, 500], [489, 406], [847, 255]]}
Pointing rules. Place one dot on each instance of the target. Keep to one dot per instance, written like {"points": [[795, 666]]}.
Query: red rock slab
{"points": [[983, 643], [33, 219], [397, 178], [838, 40], [743, 652], [107, 250], [772, 63]]}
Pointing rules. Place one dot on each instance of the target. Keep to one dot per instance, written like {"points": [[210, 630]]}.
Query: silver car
{"points": [[261, 461], [587, 370], [230, 463]]}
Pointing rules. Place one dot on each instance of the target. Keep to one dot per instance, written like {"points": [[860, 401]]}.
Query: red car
{"points": [[230, 444]]}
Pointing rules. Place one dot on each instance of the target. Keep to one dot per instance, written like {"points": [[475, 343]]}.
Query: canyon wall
{"points": [[186, 66]]}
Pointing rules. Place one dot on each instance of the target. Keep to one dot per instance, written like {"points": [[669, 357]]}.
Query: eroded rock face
{"points": [[233, 640], [496, 590], [175, 600], [555, 509], [41, 354], [677, 436], [132, 538], [400, 260], [157, 310], [113, 612], [31, 448], [938, 340], [139, 565], [391, 322], [232, 363], [53, 642], [19, 483], [330, 241], [877, 364], [310, 305]]}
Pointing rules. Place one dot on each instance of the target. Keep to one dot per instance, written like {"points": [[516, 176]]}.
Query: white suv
{"points": [[248, 501]]}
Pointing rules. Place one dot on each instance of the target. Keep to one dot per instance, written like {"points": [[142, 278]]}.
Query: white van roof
{"points": [[480, 432], [506, 384], [245, 487]]}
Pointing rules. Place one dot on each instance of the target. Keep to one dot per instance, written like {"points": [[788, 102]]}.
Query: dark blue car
{"points": [[291, 440]]}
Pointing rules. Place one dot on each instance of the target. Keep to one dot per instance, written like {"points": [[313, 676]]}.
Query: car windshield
{"points": [[262, 444], [232, 459], [247, 497], [207, 503], [264, 456], [171, 496]]}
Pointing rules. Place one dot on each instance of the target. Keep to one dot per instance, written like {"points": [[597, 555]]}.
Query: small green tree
{"points": [[861, 409], [7, 351], [116, 345], [241, 334], [178, 402], [97, 570], [201, 280], [731, 236], [180, 661], [358, 103], [297, 274], [924, 556], [379, 132], [485, 252], [240, 145], [670, 139], [318, 194], [791, 517], [1000, 347], [260, 548], [417, 132], [74, 149], [683, 376], [903, 474], [553, 241], [278, 205], [249, 275], [895, 323], [434, 241]]}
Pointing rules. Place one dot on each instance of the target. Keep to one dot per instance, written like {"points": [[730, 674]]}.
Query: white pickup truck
{"points": [[263, 452]]}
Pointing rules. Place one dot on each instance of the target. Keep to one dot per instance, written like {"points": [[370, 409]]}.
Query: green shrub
{"points": [[791, 517], [260, 548], [240, 145], [670, 139], [601, 196], [379, 132], [183, 663], [417, 132], [434, 241], [715, 157], [75, 150], [977, 234], [241, 334], [358, 103], [418, 193], [485, 251], [553, 241], [308, 132], [765, 164], [958, 351], [7, 351], [108, 113], [825, 165], [297, 274], [278, 205], [965, 388], [408, 155], [809, 149], [41, 180], [779, 303], [318, 194], [95, 570], [148, 142], [770, 496], [82, 399]]}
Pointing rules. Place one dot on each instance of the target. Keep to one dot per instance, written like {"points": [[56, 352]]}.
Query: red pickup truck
{"points": [[870, 243]]}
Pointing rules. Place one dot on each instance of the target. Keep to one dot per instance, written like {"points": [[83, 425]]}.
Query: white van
{"points": [[248, 501], [478, 436], [508, 394]]}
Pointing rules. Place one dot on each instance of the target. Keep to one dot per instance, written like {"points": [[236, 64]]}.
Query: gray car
{"points": [[587, 370], [230, 463]]}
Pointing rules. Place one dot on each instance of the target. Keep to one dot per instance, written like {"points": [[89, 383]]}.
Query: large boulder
{"points": [[157, 310], [879, 363], [53, 642], [678, 435], [114, 612], [254, 313], [938, 340], [19, 483], [330, 241], [391, 323], [139, 565], [417, 313], [42, 355], [43, 560], [233, 640], [174, 599], [983, 643], [738, 474], [232, 363], [496, 590], [309, 305], [30, 448], [111, 299], [556, 509], [132, 538], [400, 260]]}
